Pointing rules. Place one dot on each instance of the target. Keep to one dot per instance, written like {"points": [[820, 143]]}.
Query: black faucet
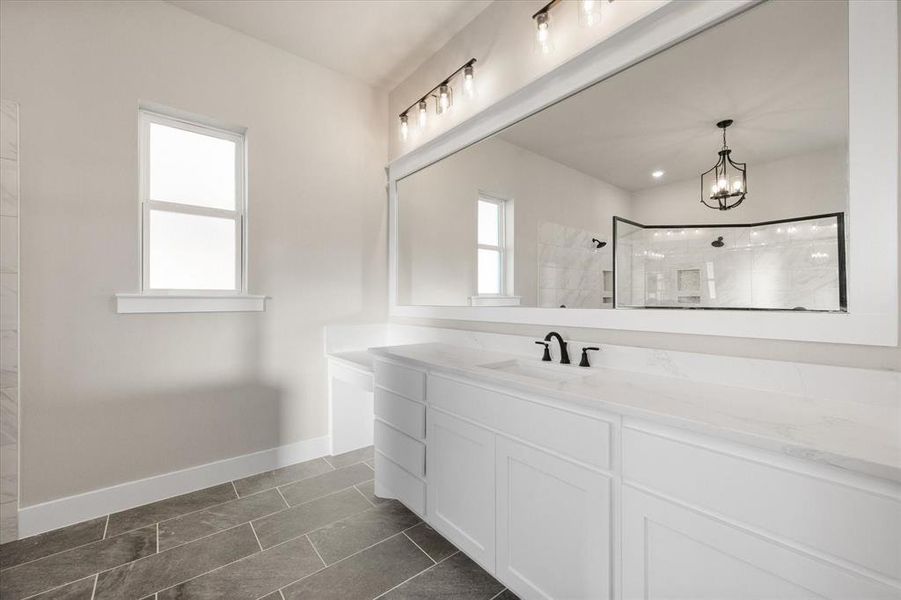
{"points": [[564, 355]]}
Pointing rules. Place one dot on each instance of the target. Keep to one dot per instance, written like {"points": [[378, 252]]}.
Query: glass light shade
{"points": [[444, 99], [404, 127], [423, 113], [589, 12], [543, 42], [469, 87]]}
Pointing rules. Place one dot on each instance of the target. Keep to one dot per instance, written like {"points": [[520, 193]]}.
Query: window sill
{"points": [[494, 300], [195, 303]]}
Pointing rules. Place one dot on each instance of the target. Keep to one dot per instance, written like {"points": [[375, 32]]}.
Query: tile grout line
{"points": [[272, 547], [157, 538], [253, 529], [282, 496], [429, 568], [105, 528], [498, 595], [281, 595], [337, 562], [94, 589], [404, 533], [364, 495], [307, 535]]}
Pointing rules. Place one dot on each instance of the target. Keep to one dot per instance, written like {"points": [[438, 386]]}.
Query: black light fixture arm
{"points": [[546, 8], [444, 81]]}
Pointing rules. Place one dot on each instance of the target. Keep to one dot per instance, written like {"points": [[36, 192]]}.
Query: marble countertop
{"points": [[857, 433]]}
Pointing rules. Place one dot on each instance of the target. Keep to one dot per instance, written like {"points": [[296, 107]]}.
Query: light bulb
{"points": [[589, 12], [723, 184], [404, 128], [543, 33], [469, 87], [444, 98], [714, 189], [423, 113]]}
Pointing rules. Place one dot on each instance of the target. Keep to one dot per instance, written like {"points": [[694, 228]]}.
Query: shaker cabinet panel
{"points": [[553, 525], [670, 551], [460, 472]]}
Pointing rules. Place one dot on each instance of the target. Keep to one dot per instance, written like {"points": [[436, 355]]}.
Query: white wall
{"points": [[108, 398], [437, 217]]}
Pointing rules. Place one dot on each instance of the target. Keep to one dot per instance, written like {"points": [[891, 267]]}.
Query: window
{"points": [[491, 244], [192, 201]]}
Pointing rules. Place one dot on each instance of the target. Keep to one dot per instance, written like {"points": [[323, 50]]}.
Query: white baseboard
{"points": [[97, 503]]}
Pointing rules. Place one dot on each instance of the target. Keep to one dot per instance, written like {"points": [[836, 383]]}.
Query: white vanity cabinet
{"points": [[563, 501], [705, 520]]}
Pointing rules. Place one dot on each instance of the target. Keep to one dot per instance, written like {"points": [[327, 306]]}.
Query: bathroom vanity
{"points": [[596, 483]]}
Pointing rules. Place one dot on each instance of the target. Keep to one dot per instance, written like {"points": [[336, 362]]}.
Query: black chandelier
{"points": [[726, 184]]}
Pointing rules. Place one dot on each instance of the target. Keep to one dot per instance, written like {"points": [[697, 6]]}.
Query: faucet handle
{"points": [[547, 352], [584, 362]]}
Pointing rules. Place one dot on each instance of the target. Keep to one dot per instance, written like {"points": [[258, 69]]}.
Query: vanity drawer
{"points": [[859, 524], [578, 436], [401, 448], [404, 381], [391, 481], [403, 414]]}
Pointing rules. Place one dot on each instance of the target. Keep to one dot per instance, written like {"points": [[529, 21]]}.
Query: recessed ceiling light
{"points": [[657, 174]]}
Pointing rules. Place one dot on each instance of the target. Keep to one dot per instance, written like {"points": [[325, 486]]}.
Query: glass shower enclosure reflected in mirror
{"points": [[792, 264]]}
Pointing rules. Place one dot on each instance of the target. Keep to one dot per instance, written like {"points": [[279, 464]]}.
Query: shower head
{"points": [[718, 242], [599, 243]]}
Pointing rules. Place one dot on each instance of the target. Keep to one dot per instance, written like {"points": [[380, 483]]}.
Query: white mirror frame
{"points": [[872, 227]]}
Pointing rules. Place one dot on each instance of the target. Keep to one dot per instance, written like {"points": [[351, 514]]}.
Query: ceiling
{"points": [[379, 42], [780, 70]]}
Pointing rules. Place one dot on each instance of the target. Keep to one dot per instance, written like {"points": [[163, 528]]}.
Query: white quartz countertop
{"points": [[857, 433]]}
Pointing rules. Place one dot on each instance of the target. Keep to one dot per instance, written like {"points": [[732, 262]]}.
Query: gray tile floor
{"points": [[313, 530]]}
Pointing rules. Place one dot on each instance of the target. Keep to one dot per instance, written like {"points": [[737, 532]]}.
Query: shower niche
{"points": [[791, 264]]}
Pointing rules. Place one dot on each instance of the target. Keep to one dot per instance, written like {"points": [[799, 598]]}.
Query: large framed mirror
{"points": [[724, 170]]}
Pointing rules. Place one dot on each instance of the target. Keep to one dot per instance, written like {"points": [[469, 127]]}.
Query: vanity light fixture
{"points": [[725, 185], [443, 94]]}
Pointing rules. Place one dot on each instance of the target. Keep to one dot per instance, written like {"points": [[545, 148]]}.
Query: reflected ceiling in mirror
{"points": [[634, 146]]}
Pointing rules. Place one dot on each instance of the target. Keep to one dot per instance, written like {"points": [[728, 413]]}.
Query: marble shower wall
{"points": [[9, 320], [778, 266], [571, 270]]}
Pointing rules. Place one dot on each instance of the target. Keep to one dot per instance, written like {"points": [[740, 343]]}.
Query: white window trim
{"points": [[500, 248], [185, 300]]}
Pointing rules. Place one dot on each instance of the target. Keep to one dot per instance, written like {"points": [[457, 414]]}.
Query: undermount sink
{"points": [[540, 371]]}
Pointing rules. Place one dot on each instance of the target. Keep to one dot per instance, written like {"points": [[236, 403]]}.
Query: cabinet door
{"points": [[460, 474], [553, 525], [670, 551]]}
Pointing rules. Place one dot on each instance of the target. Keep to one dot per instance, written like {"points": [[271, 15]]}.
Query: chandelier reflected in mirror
{"points": [[725, 185]]}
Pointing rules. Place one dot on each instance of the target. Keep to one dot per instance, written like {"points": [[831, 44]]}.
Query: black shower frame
{"points": [[842, 279]]}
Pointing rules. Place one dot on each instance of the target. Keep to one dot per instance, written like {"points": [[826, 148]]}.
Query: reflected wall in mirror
{"points": [[525, 217]]}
